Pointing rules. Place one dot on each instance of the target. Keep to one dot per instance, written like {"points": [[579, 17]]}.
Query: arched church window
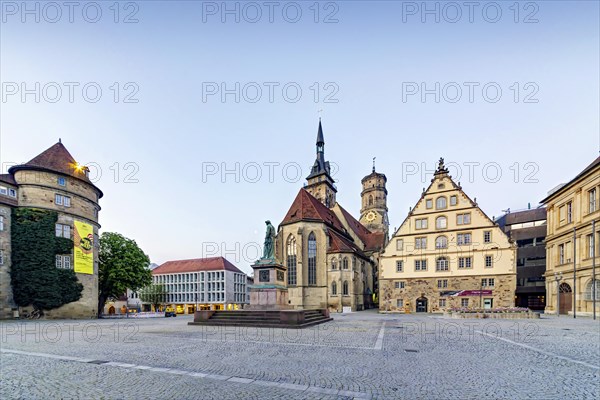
{"points": [[312, 259], [291, 260]]}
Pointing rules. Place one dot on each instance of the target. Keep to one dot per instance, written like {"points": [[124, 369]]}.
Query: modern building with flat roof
{"points": [[202, 284], [527, 228]]}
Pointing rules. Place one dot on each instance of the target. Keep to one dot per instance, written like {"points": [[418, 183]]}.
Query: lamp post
{"points": [[557, 278]]}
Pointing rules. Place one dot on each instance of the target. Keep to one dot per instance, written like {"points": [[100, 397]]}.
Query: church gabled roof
{"points": [[307, 208], [56, 159], [339, 244], [372, 240]]}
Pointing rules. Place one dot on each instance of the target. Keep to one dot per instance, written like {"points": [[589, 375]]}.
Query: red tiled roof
{"points": [[375, 241], [306, 208], [56, 159], [8, 178], [372, 240], [339, 244], [194, 265]]}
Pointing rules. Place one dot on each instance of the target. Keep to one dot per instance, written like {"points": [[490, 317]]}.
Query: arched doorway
{"points": [[565, 297], [421, 304]]}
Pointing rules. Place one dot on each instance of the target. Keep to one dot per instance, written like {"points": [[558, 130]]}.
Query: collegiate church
{"points": [[331, 257]]}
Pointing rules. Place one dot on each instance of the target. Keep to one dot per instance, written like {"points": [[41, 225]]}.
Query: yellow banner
{"points": [[83, 239]]}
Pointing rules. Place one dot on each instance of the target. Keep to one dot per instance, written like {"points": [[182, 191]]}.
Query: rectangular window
{"points": [[399, 266], [569, 212], [592, 200], [63, 231], [464, 302], [484, 282], [66, 262], [62, 181], [489, 261], [1, 257], [453, 200], [421, 223], [591, 245], [399, 285], [463, 219], [491, 282], [463, 239], [421, 243], [58, 261], [420, 265], [3, 190], [1, 223], [58, 199], [12, 192], [465, 262], [429, 203], [399, 244], [561, 253], [442, 302], [442, 283], [487, 236]]}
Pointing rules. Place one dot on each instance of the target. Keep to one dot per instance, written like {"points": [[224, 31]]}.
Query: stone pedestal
{"points": [[269, 291]]}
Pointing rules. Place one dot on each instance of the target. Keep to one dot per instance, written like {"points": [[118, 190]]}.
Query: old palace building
{"points": [[447, 253], [52, 184]]}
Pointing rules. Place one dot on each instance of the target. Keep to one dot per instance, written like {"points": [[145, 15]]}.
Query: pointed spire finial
{"points": [[374, 163], [59, 141]]}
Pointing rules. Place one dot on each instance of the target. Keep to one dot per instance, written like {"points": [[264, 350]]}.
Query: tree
{"points": [[122, 265], [35, 280], [155, 294]]}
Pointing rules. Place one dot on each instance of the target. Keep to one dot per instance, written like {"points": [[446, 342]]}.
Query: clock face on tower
{"points": [[371, 215]]}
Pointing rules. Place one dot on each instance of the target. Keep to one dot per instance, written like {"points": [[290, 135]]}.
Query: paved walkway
{"points": [[358, 355]]}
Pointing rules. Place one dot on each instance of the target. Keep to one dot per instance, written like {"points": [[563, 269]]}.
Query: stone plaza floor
{"points": [[358, 355]]}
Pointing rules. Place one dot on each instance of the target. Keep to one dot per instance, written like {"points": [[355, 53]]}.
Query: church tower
{"points": [[374, 211], [320, 183]]}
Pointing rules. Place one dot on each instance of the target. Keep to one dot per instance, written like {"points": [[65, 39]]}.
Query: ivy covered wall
{"points": [[35, 279]]}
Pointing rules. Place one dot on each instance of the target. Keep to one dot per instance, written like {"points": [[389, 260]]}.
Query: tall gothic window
{"points": [[345, 263], [345, 288], [370, 200], [291, 260], [333, 288], [312, 259]]}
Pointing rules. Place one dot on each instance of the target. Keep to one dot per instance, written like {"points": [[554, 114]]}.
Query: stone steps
{"points": [[264, 319]]}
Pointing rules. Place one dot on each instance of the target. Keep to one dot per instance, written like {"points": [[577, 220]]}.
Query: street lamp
{"points": [[557, 278]]}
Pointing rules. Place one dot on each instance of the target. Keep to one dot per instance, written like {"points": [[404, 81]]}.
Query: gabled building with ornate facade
{"points": [[331, 257], [447, 253]]}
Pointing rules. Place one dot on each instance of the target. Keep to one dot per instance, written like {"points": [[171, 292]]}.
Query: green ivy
{"points": [[35, 279]]}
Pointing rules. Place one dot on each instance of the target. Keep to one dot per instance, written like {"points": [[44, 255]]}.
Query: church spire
{"points": [[320, 182], [320, 144]]}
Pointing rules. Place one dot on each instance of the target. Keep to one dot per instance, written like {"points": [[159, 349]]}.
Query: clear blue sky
{"points": [[371, 56]]}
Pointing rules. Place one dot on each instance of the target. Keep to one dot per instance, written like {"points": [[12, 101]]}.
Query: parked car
{"points": [[170, 312]]}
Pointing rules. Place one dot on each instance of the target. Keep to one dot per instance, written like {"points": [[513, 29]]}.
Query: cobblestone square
{"points": [[358, 355]]}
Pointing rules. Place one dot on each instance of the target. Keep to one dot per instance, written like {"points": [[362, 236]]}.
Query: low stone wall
{"points": [[493, 315]]}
